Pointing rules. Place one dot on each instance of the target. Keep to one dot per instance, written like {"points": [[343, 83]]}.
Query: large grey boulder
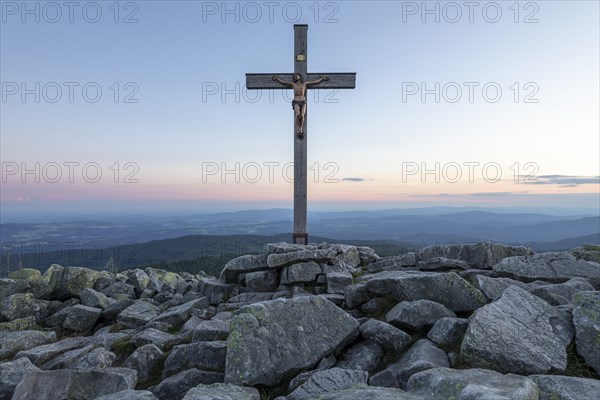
{"points": [[390, 338], [209, 356], [492, 288], [363, 356], [445, 288], [66, 359], [338, 281], [395, 263], [11, 373], [416, 315], [562, 293], [279, 260], [139, 279], [442, 264], [74, 384], [446, 383], [138, 314], [527, 325], [243, 265], [328, 381], [302, 272], [272, 339], [556, 387], [22, 305], [70, 281], [178, 315], [206, 331], [356, 295], [147, 361], [162, 340], [284, 247], [13, 342], [81, 318], [448, 332], [128, 394], [554, 267], [12, 286], [481, 255], [421, 356], [41, 354], [176, 386], [586, 318], [222, 391], [262, 281], [217, 290], [91, 298], [97, 358]]}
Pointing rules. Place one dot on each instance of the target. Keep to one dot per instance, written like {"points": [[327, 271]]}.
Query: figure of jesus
{"points": [[299, 102]]}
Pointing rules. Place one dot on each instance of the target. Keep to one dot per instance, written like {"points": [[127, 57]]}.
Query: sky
{"points": [[140, 105]]}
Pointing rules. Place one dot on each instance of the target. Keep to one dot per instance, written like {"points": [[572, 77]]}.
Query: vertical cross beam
{"points": [[300, 234]]}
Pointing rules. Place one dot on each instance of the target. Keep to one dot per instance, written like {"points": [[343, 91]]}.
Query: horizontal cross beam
{"points": [[339, 80]]}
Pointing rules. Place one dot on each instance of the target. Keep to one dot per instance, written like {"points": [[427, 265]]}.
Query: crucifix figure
{"points": [[299, 102], [299, 82]]}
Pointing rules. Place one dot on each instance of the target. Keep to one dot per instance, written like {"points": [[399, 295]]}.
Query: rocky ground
{"points": [[482, 321]]}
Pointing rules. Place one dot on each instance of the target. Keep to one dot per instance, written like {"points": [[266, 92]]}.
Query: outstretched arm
{"points": [[316, 82], [276, 78]]}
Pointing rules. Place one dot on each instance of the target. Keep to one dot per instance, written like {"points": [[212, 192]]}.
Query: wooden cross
{"points": [[334, 81]]}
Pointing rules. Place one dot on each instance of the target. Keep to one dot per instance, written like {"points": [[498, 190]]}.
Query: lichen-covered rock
{"points": [[562, 293], [442, 264], [119, 291], [262, 281], [28, 274], [89, 297], [11, 373], [492, 288], [416, 315], [19, 324], [160, 339], [556, 387], [222, 391], [554, 267], [445, 288], [138, 314], [395, 263], [421, 356], [586, 318], [448, 332], [446, 383], [12, 286], [217, 290], [208, 356], [274, 338], [328, 381], [517, 333], [147, 361], [81, 318], [279, 260], [41, 354], [338, 281], [74, 384], [178, 315], [13, 342], [70, 281], [364, 356], [97, 358], [242, 265], [302, 272], [390, 338], [211, 330], [139, 279], [23, 305], [176, 386], [482, 255]]}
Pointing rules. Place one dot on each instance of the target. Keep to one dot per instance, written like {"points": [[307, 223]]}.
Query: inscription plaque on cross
{"points": [[300, 81]]}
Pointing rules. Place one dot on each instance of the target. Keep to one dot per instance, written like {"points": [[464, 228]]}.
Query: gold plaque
{"points": [[300, 57]]}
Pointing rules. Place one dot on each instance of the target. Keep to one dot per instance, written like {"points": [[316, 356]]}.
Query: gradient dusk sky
{"points": [[497, 101]]}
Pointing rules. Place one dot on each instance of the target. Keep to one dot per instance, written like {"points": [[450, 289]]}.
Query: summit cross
{"points": [[299, 82]]}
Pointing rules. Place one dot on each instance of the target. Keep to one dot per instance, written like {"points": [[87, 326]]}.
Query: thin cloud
{"points": [[355, 179], [563, 180]]}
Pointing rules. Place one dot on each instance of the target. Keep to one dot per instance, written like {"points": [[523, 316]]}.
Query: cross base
{"points": [[300, 238]]}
